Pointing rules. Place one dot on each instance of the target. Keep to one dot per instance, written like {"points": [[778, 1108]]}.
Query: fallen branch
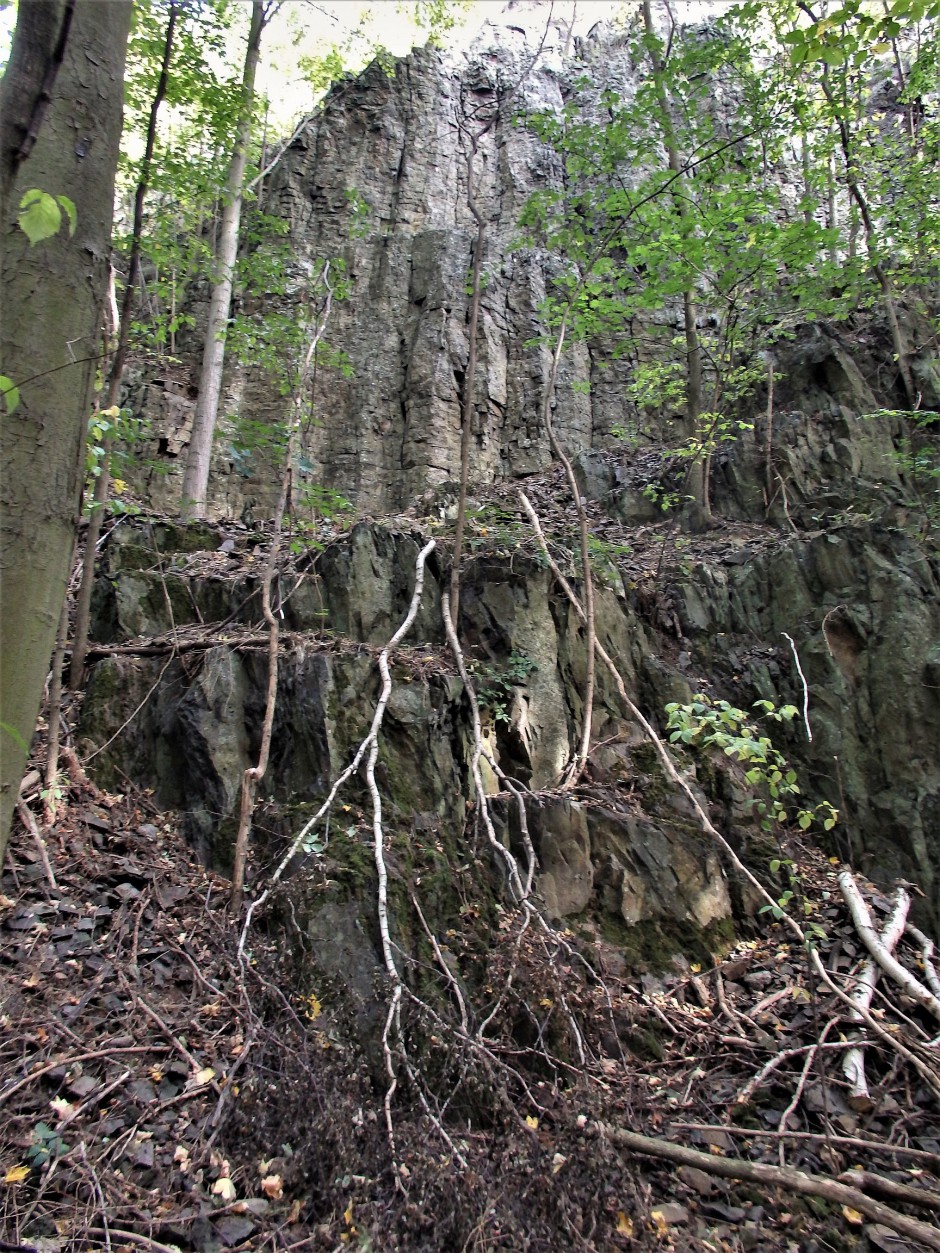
{"points": [[744, 1095], [868, 1181], [853, 1064], [29, 822], [786, 1177], [931, 976], [873, 942], [818, 1137]]}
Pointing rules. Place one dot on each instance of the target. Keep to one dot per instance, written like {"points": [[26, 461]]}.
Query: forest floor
{"points": [[161, 1091]]}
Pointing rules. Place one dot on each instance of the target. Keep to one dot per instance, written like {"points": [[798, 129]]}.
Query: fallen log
{"points": [[786, 1177]]}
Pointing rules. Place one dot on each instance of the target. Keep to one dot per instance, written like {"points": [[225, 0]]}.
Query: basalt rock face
{"points": [[401, 145], [378, 181], [188, 725]]}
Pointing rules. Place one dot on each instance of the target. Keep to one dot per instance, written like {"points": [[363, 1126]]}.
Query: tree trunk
{"points": [[102, 488], [69, 123], [199, 457]]}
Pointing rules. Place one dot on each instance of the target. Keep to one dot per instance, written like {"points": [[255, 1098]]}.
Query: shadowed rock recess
{"points": [[838, 560]]}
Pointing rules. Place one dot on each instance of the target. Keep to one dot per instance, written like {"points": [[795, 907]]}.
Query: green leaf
{"points": [[14, 736], [39, 215], [10, 393], [70, 212]]}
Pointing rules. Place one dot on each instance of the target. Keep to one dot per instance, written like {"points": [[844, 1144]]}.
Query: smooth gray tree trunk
{"points": [[61, 102], [199, 456]]}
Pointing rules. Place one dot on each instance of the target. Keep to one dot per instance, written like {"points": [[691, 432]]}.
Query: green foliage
{"points": [[631, 236], [10, 393], [492, 527], [316, 506], [496, 684], [917, 457], [361, 212], [112, 434], [708, 724], [438, 17], [605, 555], [46, 1145], [40, 214]]}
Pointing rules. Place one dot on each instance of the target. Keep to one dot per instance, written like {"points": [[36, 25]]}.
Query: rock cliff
{"points": [[838, 556]]}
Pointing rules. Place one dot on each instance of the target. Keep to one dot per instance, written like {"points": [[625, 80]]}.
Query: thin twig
{"points": [[796, 658], [29, 822]]}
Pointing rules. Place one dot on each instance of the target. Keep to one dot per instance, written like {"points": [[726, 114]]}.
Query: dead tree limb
{"points": [[29, 822], [853, 1064], [777, 1176], [869, 936], [868, 1181], [931, 977]]}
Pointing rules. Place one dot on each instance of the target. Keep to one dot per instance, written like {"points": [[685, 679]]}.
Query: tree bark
{"points": [[102, 488], [199, 457], [52, 294]]}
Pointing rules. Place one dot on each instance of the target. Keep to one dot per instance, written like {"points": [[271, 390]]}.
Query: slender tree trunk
{"points": [[833, 209], [253, 775], [697, 477], [52, 296], [881, 275], [102, 487], [807, 166], [196, 476]]}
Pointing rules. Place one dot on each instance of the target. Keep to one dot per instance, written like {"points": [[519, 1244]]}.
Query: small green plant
{"points": [[496, 685], [317, 506], [917, 458], [494, 527], [662, 497], [46, 1145], [360, 211], [706, 723], [605, 555], [121, 429]]}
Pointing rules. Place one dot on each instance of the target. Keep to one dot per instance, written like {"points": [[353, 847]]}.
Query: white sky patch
{"points": [[308, 29]]}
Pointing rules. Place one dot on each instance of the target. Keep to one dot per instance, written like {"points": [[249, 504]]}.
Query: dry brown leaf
{"points": [[273, 1187]]}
